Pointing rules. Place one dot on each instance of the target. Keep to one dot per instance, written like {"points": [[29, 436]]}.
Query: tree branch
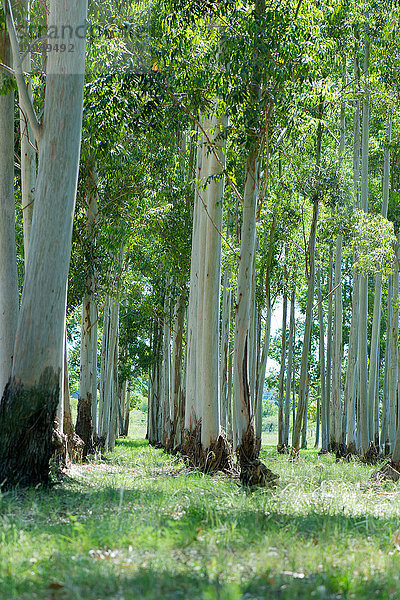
{"points": [[25, 100]]}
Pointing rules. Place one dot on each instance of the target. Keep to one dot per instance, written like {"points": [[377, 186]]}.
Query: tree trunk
{"points": [[363, 314], [323, 404], [302, 402], [177, 372], [351, 382], [212, 214], [282, 371], [191, 409], [376, 322], [289, 369], [30, 401], [226, 323], [87, 402], [393, 376], [28, 152], [8, 261]]}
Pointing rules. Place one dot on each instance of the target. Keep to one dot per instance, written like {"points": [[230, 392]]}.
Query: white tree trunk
{"points": [[376, 322], [242, 403], [28, 154], [282, 371], [212, 215], [302, 403], [323, 406], [351, 382], [336, 400], [191, 412], [33, 395], [8, 261], [226, 322], [289, 369], [87, 403], [261, 376], [393, 376], [363, 315], [177, 371]]}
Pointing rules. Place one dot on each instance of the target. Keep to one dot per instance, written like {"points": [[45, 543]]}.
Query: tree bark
{"points": [[363, 314], [29, 404], [8, 261]]}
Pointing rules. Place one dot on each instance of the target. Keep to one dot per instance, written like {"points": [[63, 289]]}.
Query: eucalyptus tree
{"points": [[30, 400]]}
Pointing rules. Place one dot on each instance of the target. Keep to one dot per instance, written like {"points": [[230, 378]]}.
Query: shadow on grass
{"points": [[93, 580]]}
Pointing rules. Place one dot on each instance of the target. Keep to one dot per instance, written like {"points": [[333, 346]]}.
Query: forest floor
{"points": [[136, 524]]}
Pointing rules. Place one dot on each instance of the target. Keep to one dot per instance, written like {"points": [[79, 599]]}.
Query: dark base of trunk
{"points": [[282, 449], [338, 449], [84, 425], [389, 471], [351, 450], [60, 459], [253, 473], [372, 455], [75, 448], [323, 451], [169, 440], [217, 457], [27, 416]]}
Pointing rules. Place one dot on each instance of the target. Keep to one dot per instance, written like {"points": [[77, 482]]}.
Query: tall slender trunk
{"points": [[87, 402], [191, 408], [336, 401], [363, 314], [329, 328], [225, 333], [289, 368], [282, 371], [394, 351], [8, 260], [108, 397], [261, 376], [28, 151], [302, 402], [376, 322], [177, 371], [351, 382], [166, 375], [252, 472], [323, 406], [385, 406], [336, 405], [212, 213], [30, 401]]}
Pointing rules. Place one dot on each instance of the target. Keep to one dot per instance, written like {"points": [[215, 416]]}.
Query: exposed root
{"points": [[217, 457], [75, 448], [60, 460], [282, 449], [323, 452], [389, 471], [372, 455], [191, 445], [351, 450], [253, 473]]}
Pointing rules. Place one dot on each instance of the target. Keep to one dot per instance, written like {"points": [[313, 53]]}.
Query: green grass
{"points": [[138, 525]]}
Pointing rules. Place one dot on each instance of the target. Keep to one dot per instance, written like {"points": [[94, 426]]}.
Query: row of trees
{"points": [[234, 165]]}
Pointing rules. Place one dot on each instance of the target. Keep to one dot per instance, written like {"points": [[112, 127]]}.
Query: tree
{"points": [[30, 400]]}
